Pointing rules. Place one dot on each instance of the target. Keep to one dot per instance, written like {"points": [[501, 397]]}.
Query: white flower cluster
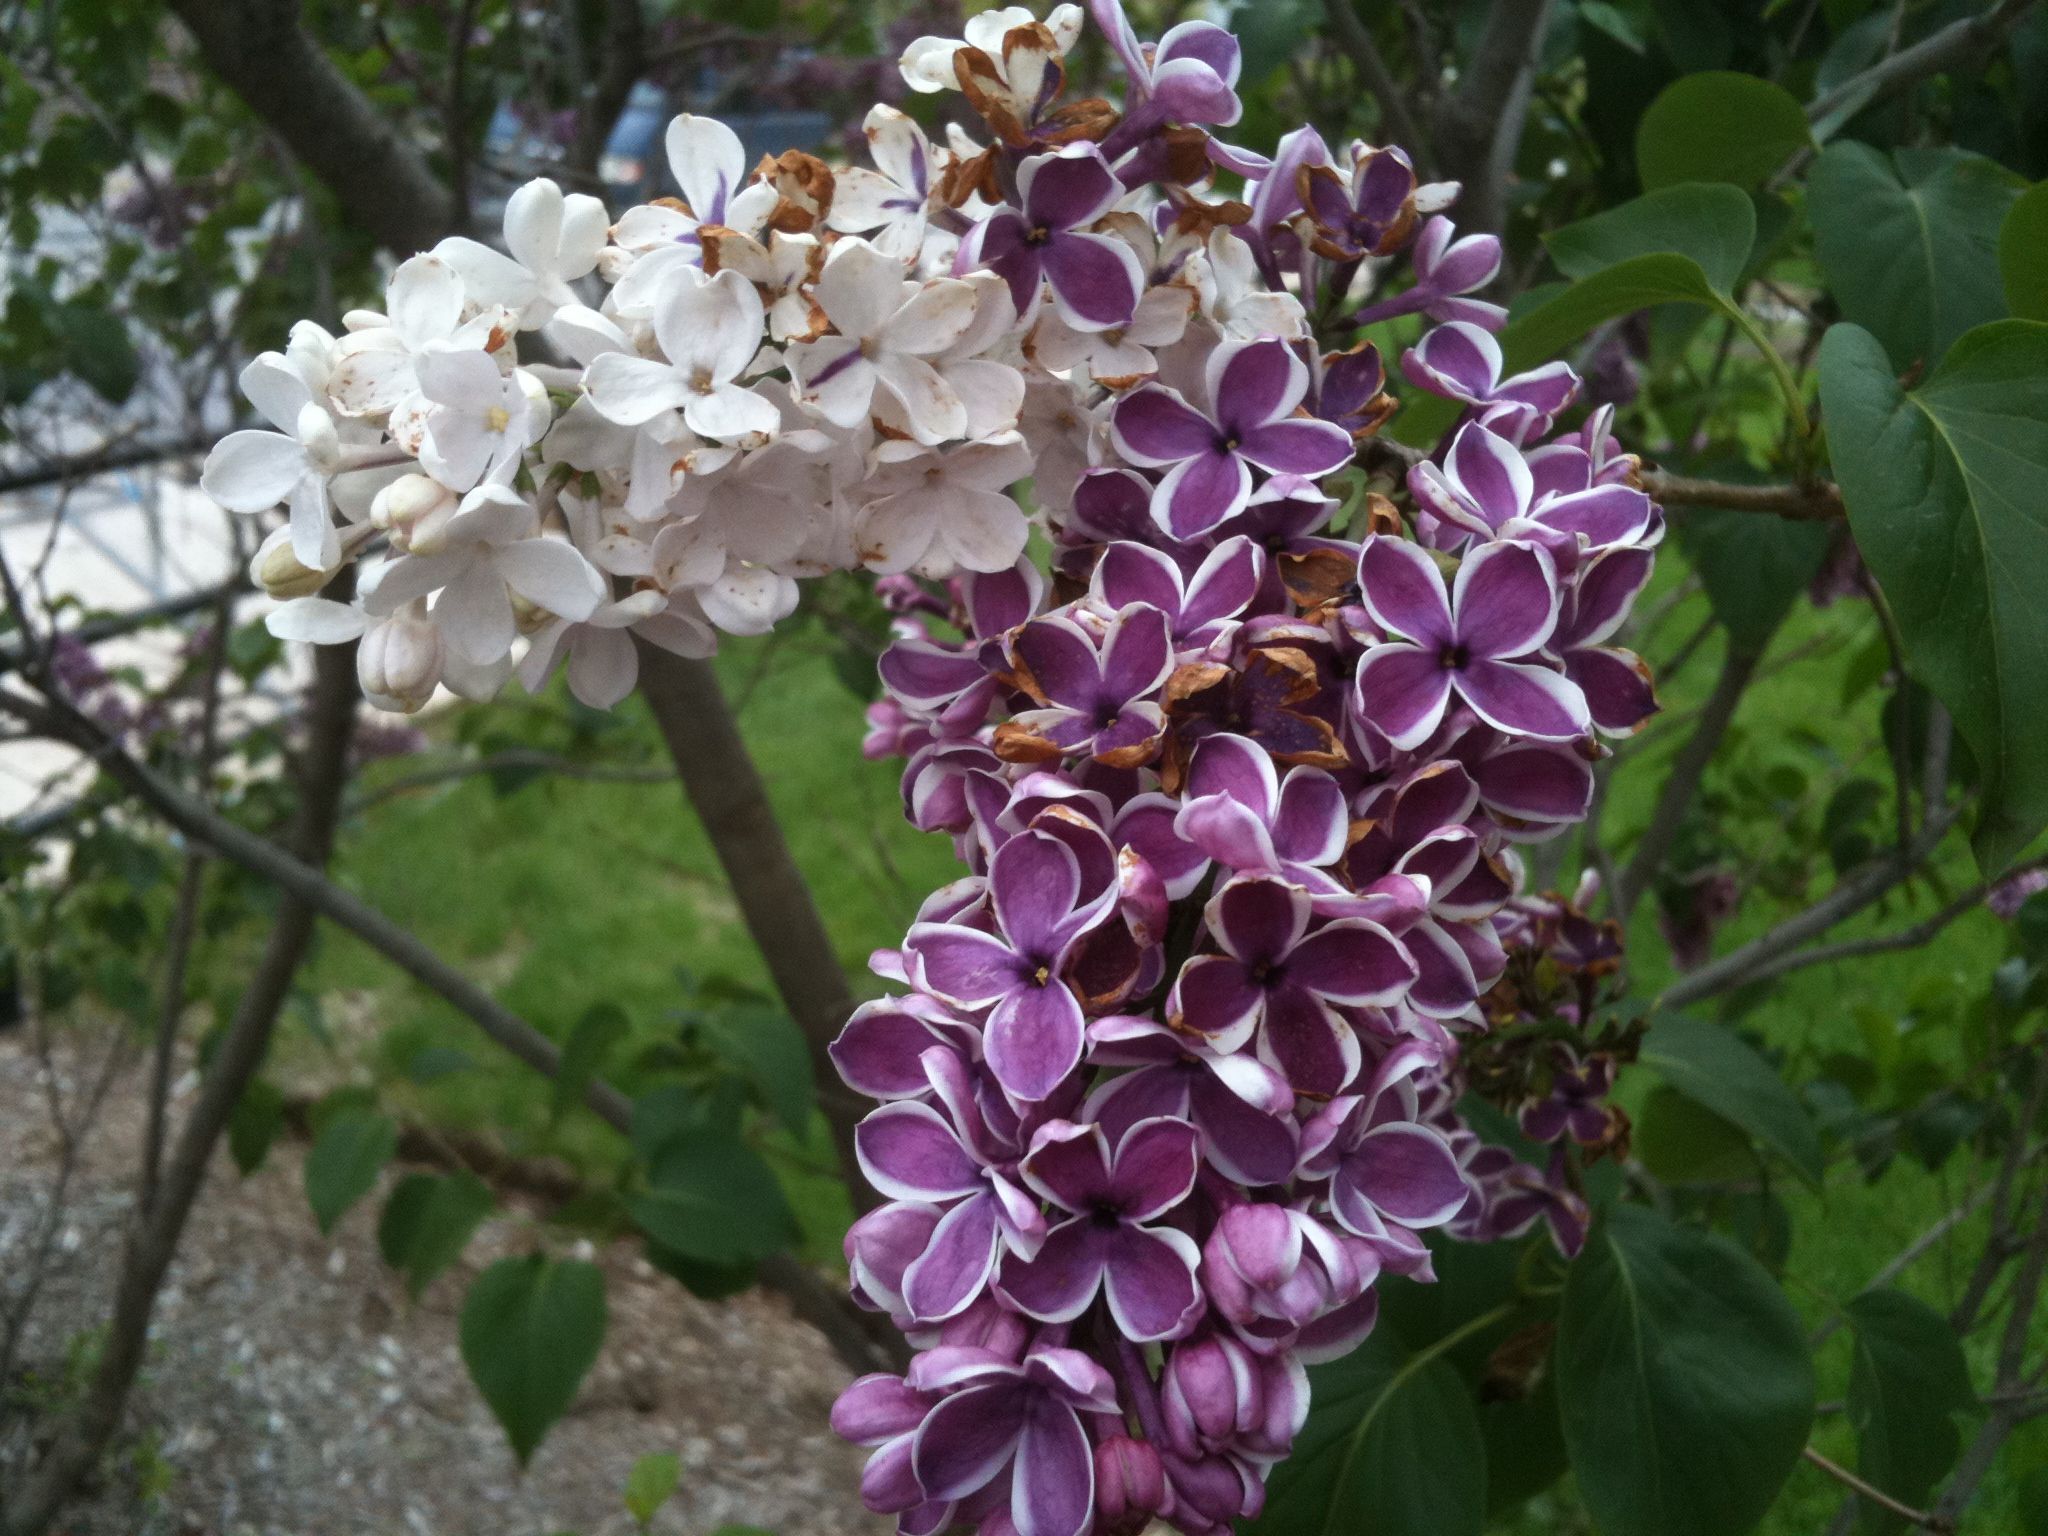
{"points": [[789, 370]]}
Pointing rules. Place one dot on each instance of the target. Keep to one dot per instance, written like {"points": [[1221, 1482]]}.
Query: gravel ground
{"points": [[293, 1390]]}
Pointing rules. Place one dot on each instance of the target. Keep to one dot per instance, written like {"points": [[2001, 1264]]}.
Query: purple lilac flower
{"points": [[1209, 458], [1107, 1244], [1035, 1029], [1276, 982], [1095, 279], [1475, 642]]}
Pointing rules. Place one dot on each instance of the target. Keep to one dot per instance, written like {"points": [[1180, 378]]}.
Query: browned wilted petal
{"points": [[1317, 578], [962, 179], [713, 238], [1381, 515], [1015, 743], [1091, 120], [803, 184], [982, 83]]}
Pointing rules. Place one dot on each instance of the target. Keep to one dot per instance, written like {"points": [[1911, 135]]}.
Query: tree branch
{"points": [[1877, 1496], [112, 626], [380, 176], [33, 477], [308, 887], [1878, 944], [725, 788], [1397, 118], [625, 56], [1683, 782], [1819, 501], [82, 1435], [1952, 47], [1479, 127], [1850, 896]]}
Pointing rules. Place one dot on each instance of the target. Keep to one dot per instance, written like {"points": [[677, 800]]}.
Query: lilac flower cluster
{"points": [[1174, 1072]]}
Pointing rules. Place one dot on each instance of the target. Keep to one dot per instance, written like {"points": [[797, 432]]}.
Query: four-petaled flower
{"points": [[1106, 1244], [1276, 982], [1034, 1034], [1255, 387], [1095, 279], [1476, 641]]}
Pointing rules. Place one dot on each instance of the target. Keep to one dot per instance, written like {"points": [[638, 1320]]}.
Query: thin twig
{"points": [[1850, 896], [1688, 767], [1877, 1496], [1955, 45], [1816, 501]]}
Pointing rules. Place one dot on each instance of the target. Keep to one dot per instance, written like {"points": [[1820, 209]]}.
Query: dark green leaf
{"points": [[1683, 1142], [1906, 1382], [769, 1049], [531, 1328], [711, 1198], [1391, 1448], [602, 1026], [1753, 568], [1909, 244], [1719, 126], [1943, 486], [258, 1117], [1710, 226], [427, 1223], [2023, 254], [1684, 1380], [2033, 1502], [652, 1483], [1717, 1069], [345, 1160], [97, 349]]}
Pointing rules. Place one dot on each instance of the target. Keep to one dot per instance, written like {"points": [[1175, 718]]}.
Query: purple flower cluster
{"points": [[1174, 1073]]}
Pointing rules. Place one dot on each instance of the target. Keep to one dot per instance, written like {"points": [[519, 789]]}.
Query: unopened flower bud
{"points": [[415, 510], [1130, 1486], [399, 661], [280, 572]]}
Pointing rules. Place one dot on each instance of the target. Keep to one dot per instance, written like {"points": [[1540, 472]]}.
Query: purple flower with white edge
{"points": [[1035, 1029], [1616, 682], [1462, 361], [1188, 76], [1277, 982], [1255, 387], [1095, 279], [1199, 607], [1284, 1280], [1242, 1107], [1370, 213], [884, 1413], [1473, 642], [1218, 1396], [949, 1157], [1485, 486], [1235, 809], [1386, 1170], [1446, 270], [1108, 1243], [1095, 693], [1025, 1417]]}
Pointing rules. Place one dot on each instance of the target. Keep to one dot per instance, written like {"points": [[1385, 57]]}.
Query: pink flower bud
{"points": [[1130, 1486]]}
